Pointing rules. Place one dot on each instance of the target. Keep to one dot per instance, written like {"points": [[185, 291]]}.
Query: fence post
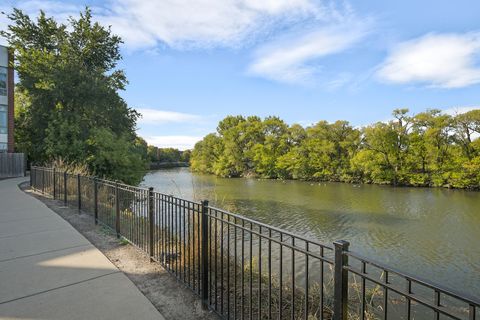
{"points": [[65, 190], [151, 222], [79, 193], [340, 291], [204, 254], [31, 176], [54, 184], [43, 180], [117, 211], [95, 199]]}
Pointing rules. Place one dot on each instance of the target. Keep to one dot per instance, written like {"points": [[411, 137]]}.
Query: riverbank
{"points": [[164, 165], [353, 181]]}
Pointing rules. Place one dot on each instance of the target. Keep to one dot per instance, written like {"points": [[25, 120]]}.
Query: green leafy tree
{"points": [[386, 149], [431, 148], [109, 153], [428, 149], [206, 153], [68, 72], [466, 125], [169, 155], [274, 145], [466, 172], [341, 142], [185, 156], [152, 153]]}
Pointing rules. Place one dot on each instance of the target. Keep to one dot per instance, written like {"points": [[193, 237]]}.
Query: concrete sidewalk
{"points": [[50, 271]]}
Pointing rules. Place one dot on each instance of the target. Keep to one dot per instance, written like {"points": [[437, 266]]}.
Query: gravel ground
{"points": [[170, 297]]}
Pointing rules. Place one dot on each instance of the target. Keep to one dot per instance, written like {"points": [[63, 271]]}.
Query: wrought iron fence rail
{"points": [[282, 243], [409, 296], [166, 244], [416, 279], [242, 268], [269, 227]]}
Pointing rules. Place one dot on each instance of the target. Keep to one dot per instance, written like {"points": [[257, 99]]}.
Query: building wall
{"points": [[11, 103], [6, 101]]}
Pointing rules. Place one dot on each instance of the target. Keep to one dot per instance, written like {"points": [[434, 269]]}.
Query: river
{"points": [[430, 232]]}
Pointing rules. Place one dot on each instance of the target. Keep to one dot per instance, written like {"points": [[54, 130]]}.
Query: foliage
{"points": [[67, 95], [114, 156], [427, 149], [73, 168], [155, 154]]}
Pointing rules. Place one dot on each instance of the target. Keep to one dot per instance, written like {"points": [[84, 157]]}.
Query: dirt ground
{"points": [[170, 297]]}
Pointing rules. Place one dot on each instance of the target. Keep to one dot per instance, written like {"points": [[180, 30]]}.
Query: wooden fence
{"points": [[12, 165]]}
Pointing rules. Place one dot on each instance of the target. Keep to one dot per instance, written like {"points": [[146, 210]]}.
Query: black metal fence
{"points": [[243, 269]]}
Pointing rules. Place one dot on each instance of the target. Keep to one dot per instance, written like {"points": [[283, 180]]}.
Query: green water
{"points": [[433, 233]]}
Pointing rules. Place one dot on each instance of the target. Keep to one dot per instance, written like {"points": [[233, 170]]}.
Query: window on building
{"points": [[3, 147], [3, 81], [3, 119]]}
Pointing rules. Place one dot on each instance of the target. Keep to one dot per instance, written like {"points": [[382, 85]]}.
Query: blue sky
{"points": [[191, 63]]}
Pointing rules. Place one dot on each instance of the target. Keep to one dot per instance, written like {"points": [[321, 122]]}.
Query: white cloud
{"points": [[281, 6], [185, 24], [308, 29], [438, 60], [153, 116], [201, 23], [178, 142], [293, 58]]}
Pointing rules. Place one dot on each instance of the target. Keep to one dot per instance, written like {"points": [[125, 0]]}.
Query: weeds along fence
{"points": [[243, 269]]}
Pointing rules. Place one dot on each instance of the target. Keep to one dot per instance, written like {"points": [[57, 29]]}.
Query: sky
{"points": [[190, 63]]}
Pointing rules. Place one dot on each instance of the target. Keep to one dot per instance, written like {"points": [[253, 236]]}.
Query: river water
{"points": [[430, 232]]}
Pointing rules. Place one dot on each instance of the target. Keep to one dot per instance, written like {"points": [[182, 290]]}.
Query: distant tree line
{"points": [[170, 155], [427, 149]]}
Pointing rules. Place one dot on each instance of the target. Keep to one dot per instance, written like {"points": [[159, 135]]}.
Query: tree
{"points": [[386, 148], [23, 125], [466, 124], [152, 153], [293, 164], [110, 153], [431, 147], [206, 153], [185, 156], [466, 166], [68, 72], [427, 149], [168, 155], [275, 144]]}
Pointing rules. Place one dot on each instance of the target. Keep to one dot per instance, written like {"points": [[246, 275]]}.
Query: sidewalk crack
{"points": [[44, 252], [61, 287]]}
